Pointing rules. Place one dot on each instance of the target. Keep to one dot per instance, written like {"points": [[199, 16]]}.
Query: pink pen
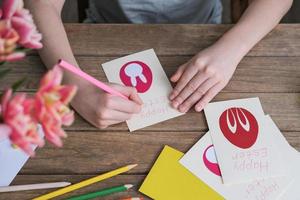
{"points": [[89, 78]]}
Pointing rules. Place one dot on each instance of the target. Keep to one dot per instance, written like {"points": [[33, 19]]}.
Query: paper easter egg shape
{"points": [[136, 74], [239, 126]]}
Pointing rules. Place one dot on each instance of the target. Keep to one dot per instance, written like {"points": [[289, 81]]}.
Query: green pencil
{"points": [[102, 193]]}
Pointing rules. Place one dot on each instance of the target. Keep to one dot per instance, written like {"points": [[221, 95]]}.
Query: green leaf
{"points": [[3, 72], [18, 83]]}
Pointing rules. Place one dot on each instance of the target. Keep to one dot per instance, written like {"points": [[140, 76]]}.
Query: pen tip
{"points": [[128, 186], [132, 166]]}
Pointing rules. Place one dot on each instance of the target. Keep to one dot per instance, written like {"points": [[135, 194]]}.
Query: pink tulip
{"points": [[8, 43], [51, 105], [16, 115], [22, 22]]}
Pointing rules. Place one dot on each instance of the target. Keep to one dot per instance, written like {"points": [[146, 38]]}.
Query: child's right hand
{"points": [[102, 109]]}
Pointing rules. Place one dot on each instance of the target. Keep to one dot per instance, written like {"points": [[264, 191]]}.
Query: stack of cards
{"points": [[244, 155]]}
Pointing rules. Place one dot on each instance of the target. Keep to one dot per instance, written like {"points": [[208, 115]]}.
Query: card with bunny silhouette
{"points": [[144, 72], [244, 149]]}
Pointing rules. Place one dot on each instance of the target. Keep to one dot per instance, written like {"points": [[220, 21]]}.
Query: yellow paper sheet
{"points": [[169, 180]]}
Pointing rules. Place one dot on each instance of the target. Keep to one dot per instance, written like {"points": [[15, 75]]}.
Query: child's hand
{"points": [[203, 77], [102, 109]]}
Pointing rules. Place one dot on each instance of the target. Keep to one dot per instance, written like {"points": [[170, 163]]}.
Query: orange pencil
{"points": [[134, 198]]}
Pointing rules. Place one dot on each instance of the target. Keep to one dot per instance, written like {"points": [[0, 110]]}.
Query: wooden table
{"points": [[270, 71]]}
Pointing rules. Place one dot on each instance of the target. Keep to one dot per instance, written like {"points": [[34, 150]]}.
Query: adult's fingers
{"points": [[187, 75], [190, 88], [209, 95]]}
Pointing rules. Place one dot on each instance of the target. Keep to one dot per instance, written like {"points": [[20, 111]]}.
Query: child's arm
{"points": [[99, 108], [207, 73]]}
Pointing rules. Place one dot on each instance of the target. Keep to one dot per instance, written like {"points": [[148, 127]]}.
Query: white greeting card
{"points": [[12, 160], [244, 150], [201, 161], [144, 72]]}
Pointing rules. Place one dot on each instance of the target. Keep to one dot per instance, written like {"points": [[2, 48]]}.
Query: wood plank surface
{"points": [[96, 152], [171, 39], [254, 74]]}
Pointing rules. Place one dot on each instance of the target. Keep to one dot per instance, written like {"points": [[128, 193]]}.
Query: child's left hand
{"points": [[203, 77]]}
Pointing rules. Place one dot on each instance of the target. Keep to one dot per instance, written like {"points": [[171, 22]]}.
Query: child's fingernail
{"points": [[198, 108], [172, 96], [175, 104], [182, 109]]}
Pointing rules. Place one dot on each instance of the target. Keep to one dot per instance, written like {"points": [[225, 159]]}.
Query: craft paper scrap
{"points": [[11, 160], [202, 162], [169, 180], [144, 72], [244, 150]]}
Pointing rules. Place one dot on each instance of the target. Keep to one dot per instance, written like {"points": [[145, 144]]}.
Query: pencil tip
{"points": [[67, 183], [132, 166], [128, 186]]}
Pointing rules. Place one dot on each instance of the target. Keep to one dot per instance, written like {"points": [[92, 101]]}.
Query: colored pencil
{"points": [[37, 186], [85, 183], [89, 78], [102, 193], [134, 198]]}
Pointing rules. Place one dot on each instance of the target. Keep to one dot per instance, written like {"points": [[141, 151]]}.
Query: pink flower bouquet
{"points": [[20, 114]]}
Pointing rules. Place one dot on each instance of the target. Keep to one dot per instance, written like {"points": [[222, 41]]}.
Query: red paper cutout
{"points": [[239, 127], [136, 74]]}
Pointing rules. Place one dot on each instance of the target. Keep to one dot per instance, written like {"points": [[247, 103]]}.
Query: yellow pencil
{"points": [[85, 183]]}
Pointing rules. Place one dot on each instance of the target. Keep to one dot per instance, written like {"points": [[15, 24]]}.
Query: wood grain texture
{"points": [[171, 39], [96, 152], [254, 74]]}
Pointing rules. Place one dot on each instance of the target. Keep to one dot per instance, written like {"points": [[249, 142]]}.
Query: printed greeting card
{"points": [[144, 72], [244, 149]]}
